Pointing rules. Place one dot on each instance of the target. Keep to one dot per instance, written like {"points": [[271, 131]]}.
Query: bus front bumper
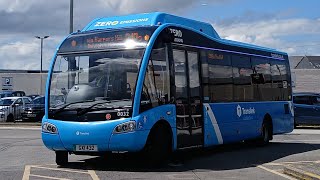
{"points": [[72, 134]]}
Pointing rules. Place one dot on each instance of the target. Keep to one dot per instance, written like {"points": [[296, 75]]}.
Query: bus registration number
{"points": [[86, 148]]}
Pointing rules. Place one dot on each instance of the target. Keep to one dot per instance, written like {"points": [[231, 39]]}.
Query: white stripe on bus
{"points": [[214, 123]]}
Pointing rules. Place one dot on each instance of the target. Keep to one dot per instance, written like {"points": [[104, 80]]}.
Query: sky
{"points": [[292, 26]]}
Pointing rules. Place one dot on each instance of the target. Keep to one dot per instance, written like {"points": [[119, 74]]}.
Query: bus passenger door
{"points": [[188, 99]]}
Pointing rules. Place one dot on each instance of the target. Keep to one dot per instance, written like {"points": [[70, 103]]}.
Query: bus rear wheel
{"points": [[265, 134], [61, 158], [158, 146]]}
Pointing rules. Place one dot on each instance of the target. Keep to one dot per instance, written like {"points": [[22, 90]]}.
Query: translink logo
{"points": [[239, 112], [243, 111]]}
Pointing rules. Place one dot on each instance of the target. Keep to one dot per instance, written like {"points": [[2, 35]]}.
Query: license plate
{"points": [[87, 148], [31, 115]]}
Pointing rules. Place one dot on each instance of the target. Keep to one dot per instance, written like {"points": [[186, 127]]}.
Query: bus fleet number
{"points": [[123, 113]]}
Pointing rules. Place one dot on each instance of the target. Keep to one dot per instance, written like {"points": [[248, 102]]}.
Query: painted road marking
{"points": [[275, 172], [284, 164], [182, 176], [304, 131], [59, 169], [291, 162], [27, 174], [48, 177], [93, 175], [303, 141]]}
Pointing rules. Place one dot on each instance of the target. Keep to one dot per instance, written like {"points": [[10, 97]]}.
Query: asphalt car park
{"points": [[26, 157]]}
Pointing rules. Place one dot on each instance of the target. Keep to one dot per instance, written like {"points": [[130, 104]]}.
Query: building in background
{"points": [[306, 73], [29, 81]]}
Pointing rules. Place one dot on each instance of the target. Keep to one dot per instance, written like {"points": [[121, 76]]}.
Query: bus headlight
{"points": [[49, 128], [125, 127]]}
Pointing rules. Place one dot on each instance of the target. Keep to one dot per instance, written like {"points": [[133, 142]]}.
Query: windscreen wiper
{"points": [[66, 105], [85, 110]]}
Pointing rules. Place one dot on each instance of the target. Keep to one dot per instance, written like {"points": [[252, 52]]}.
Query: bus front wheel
{"points": [[158, 146], [61, 158]]}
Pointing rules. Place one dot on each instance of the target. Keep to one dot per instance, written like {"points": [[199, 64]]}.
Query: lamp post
{"points": [[71, 17], [41, 47]]}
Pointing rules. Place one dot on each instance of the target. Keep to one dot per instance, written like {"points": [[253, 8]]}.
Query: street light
{"points": [[71, 17], [41, 47]]}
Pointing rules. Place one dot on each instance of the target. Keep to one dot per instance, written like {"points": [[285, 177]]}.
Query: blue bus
{"points": [[159, 83]]}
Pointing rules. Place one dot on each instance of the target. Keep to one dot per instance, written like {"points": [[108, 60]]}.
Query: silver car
{"points": [[12, 107]]}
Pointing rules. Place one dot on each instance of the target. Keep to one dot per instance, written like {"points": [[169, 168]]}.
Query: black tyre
{"points": [[61, 158], [158, 146], [10, 118], [265, 134]]}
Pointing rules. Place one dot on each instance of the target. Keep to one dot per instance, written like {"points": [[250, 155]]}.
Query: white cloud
{"points": [[25, 54], [16, 5], [139, 6], [275, 33]]}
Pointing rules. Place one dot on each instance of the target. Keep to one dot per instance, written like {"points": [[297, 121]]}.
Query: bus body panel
{"points": [[85, 133], [243, 120], [149, 118], [52, 141], [101, 132]]}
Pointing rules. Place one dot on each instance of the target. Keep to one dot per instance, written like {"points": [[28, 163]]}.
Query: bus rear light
{"points": [[125, 127], [49, 128]]}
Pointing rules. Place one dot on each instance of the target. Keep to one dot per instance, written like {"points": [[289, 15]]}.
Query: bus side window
{"points": [[280, 80], [220, 77], [243, 89], [262, 91]]}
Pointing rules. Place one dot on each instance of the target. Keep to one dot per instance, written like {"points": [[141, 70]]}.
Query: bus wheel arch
{"points": [[159, 142]]}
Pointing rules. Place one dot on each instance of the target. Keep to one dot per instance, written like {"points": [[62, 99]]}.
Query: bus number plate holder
{"points": [[86, 148]]}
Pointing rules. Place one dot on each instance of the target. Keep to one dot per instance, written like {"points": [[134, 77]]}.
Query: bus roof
{"points": [[159, 18], [149, 19]]}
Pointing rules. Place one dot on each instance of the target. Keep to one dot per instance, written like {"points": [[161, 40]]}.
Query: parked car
{"points": [[12, 107], [306, 108], [33, 96], [35, 110], [12, 94]]}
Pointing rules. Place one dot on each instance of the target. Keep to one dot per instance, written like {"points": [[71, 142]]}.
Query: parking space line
{"points": [[297, 162], [93, 175], [26, 172], [290, 162], [275, 172], [312, 175], [47, 177], [274, 164], [57, 169]]}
